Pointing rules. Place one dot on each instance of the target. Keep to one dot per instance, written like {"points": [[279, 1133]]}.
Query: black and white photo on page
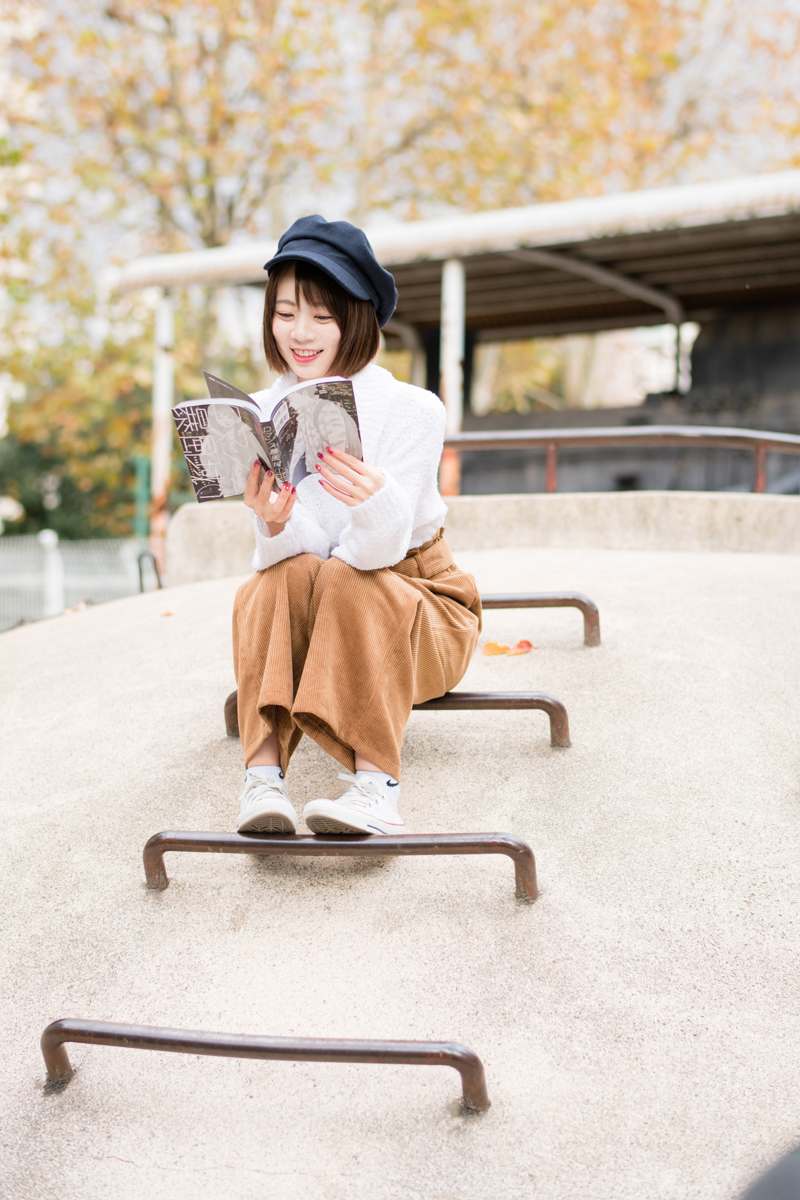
{"points": [[312, 417]]}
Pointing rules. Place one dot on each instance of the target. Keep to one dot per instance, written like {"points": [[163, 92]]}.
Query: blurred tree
{"points": [[186, 119], [488, 103], [173, 125]]}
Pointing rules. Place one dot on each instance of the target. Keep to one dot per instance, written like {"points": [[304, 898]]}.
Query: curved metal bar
{"points": [[232, 714], [233, 1045], [149, 554], [343, 847], [591, 614], [559, 721]]}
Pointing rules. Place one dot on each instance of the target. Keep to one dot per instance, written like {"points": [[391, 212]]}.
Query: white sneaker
{"points": [[266, 808], [364, 808]]}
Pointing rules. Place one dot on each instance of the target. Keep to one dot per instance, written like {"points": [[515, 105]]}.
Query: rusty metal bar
{"points": [[559, 721], [234, 1045], [591, 615], [458, 701], [551, 468], [343, 847]]}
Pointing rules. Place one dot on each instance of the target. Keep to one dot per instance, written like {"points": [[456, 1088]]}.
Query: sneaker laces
{"points": [[362, 793], [254, 786]]}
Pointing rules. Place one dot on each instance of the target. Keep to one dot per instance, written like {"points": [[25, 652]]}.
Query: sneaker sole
{"points": [[273, 823], [320, 824]]}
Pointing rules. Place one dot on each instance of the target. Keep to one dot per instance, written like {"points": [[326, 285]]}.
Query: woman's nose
{"points": [[304, 329]]}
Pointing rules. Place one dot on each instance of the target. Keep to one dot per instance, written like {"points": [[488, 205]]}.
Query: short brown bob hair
{"points": [[356, 319]]}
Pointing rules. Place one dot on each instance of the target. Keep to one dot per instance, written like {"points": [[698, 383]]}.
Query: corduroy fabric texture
{"points": [[342, 655]]}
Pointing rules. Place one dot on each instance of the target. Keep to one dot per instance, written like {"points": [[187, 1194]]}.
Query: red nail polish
{"points": [[294, 490], [286, 486], [329, 450], [320, 455], [269, 475]]}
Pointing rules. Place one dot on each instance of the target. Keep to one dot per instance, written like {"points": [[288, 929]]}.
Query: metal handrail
{"points": [[478, 701], [591, 615], [343, 847], [693, 436], [233, 1045], [458, 701]]}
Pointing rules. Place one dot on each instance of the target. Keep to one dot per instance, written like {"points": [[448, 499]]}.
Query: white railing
{"points": [[41, 576]]}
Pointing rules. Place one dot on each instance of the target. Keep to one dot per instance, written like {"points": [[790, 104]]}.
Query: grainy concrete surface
{"points": [[638, 1024], [212, 541]]}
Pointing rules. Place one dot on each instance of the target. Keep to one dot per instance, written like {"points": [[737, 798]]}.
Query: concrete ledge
{"points": [[213, 541], [209, 541], [716, 521]]}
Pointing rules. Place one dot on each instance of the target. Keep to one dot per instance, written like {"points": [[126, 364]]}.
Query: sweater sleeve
{"points": [[301, 534], [378, 533]]}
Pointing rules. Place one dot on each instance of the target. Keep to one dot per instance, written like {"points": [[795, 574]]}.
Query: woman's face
{"points": [[307, 335]]}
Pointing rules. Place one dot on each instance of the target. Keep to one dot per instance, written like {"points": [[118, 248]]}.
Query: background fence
{"points": [[41, 576]]}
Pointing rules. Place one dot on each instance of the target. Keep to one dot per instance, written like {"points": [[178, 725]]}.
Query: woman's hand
{"points": [[274, 508], [347, 478]]}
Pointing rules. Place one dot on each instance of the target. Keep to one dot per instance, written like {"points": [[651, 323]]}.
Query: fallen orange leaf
{"points": [[523, 647], [495, 648]]}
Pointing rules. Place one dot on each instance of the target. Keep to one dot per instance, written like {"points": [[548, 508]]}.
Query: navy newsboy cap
{"points": [[343, 252]]}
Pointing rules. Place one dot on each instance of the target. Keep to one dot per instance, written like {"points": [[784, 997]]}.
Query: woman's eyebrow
{"points": [[286, 300]]}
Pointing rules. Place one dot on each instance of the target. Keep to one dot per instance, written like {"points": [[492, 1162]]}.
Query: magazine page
{"points": [[220, 389], [312, 416], [220, 443]]}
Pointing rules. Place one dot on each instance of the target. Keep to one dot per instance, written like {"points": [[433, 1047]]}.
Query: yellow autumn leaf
{"points": [[494, 648]]}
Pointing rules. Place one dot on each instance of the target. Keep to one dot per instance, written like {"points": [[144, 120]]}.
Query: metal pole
{"points": [[760, 481], [53, 573], [163, 396], [551, 468], [452, 366], [677, 359]]}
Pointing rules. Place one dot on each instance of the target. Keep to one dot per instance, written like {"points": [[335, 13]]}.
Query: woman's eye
{"points": [[320, 317], [283, 314]]}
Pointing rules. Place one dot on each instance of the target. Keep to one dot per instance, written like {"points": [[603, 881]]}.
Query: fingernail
{"points": [[320, 455], [328, 449], [294, 490], [287, 486], [269, 475]]}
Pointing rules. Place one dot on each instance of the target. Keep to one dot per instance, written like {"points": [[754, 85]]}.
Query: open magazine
{"points": [[222, 437]]}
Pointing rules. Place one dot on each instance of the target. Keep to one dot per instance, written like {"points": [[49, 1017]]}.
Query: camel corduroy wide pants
{"points": [[342, 654]]}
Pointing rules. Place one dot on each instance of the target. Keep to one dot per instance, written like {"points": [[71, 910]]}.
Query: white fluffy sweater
{"points": [[402, 429]]}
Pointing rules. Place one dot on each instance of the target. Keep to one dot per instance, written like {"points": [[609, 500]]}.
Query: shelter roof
{"points": [[688, 252]]}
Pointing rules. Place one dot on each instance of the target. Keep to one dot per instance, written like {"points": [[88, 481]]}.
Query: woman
{"points": [[356, 611]]}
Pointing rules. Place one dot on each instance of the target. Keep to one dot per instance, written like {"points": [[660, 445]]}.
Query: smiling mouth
{"points": [[305, 355]]}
